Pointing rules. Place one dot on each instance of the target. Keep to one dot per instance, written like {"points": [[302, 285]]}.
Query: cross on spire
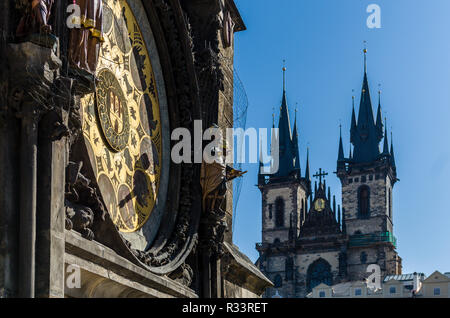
{"points": [[321, 174]]}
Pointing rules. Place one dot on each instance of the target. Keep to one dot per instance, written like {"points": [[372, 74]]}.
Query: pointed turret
{"points": [[379, 124], [353, 129], [307, 175], [386, 144], [392, 152], [341, 156], [296, 152]]}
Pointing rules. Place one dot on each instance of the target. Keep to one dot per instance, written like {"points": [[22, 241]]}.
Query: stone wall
{"points": [[292, 194], [379, 185]]}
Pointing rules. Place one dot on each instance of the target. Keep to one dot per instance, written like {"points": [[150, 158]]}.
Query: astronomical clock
{"points": [[125, 124]]}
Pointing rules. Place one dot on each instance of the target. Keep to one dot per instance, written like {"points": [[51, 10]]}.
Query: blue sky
{"points": [[322, 42]]}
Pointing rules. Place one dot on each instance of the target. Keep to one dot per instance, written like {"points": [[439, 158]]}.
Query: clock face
{"points": [[122, 121], [319, 205]]}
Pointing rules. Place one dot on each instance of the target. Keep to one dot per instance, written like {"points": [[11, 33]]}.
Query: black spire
{"points": [[364, 135], [392, 152], [286, 146], [341, 157], [386, 144], [307, 175], [296, 152], [379, 124]]}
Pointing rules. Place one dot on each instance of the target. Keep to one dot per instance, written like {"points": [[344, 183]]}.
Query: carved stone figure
{"points": [[80, 218], [84, 46], [82, 202], [184, 274]]}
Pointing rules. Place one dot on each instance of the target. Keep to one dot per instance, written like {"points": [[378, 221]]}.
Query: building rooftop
{"points": [[403, 277]]}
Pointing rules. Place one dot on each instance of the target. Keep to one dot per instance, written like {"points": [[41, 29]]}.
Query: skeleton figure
{"points": [[35, 19]]}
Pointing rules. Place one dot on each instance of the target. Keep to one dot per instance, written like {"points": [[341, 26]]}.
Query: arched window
{"points": [[390, 203], [364, 201], [278, 281], [279, 212], [319, 272]]}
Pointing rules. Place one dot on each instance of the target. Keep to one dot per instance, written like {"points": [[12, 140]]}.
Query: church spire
{"points": [[386, 143], [341, 157], [392, 152], [286, 147], [353, 123], [364, 134], [379, 123], [296, 152], [307, 175]]}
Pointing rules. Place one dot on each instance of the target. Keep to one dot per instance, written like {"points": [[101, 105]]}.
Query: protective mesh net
{"points": [[240, 107]]}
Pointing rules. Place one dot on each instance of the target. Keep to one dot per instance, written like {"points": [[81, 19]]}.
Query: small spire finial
{"points": [[365, 56], [284, 75]]}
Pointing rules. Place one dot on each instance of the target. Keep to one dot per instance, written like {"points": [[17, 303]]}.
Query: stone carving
{"points": [[83, 203], [184, 275], [79, 218]]}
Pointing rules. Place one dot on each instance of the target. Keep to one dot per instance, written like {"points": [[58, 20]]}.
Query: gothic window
{"points": [[319, 272], [279, 212], [276, 241], [390, 203], [278, 281], [364, 201], [363, 257], [270, 211]]}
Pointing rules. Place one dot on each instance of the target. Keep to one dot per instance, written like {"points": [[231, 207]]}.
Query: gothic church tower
{"points": [[367, 179], [284, 199]]}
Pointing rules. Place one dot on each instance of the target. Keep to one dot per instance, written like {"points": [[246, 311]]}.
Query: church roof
{"points": [[366, 133], [321, 218], [287, 139]]}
